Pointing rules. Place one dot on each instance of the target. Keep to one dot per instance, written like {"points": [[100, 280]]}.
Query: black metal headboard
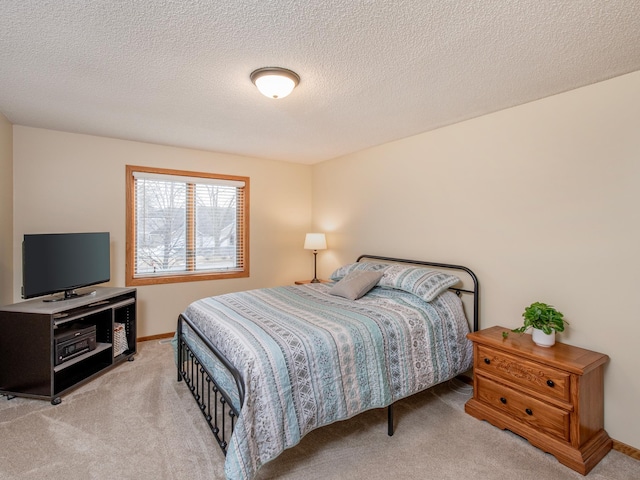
{"points": [[459, 291]]}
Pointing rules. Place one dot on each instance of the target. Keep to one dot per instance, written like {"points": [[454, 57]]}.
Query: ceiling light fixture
{"points": [[275, 82]]}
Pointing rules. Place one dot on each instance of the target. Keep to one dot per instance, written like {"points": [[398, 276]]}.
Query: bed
{"points": [[268, 366]]}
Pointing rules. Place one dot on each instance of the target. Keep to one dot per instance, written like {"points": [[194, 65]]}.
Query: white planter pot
{"points": [[542, 339]]}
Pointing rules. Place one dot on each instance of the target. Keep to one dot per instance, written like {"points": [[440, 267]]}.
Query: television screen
{"points": [[62, 262]]}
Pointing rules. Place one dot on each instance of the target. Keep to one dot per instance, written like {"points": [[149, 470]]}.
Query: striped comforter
{"points": [[309, 358]]}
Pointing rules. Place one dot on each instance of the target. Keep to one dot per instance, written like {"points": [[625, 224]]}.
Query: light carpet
{"points": [[138, 422]]}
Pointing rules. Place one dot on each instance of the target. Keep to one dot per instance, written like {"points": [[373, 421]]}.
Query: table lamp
{"points": [[315, 242]]}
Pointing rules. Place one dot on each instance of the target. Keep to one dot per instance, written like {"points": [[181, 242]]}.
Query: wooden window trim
{"points": [[130, 279]]}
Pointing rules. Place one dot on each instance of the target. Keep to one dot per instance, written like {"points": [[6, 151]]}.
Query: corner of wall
{"points": [[6, 210]]}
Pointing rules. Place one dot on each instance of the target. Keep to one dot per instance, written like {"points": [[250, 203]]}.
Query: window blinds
{"points": [[188, 224]]}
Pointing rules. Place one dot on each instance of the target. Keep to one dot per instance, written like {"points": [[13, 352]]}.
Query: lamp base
{"points": [[315, 271]]}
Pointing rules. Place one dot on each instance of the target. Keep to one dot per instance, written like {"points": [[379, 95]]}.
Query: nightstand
{"points": [[303, 282], [553, 397]]}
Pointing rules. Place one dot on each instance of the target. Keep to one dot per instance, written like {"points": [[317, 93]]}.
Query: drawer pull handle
{"points": [[529, 411], [487, 361], [551, 383], [503, 400]]}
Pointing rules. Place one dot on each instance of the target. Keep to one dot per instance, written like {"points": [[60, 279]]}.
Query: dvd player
{"points": [[70, 342]]}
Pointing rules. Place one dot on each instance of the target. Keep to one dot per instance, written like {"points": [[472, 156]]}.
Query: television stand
{"points": [[39, 351]]}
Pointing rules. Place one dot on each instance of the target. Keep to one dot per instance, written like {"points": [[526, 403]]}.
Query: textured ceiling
{"points": [[176, 72]]}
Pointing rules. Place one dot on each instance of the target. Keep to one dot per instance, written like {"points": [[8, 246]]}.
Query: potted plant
{"points": [[545, 321]]}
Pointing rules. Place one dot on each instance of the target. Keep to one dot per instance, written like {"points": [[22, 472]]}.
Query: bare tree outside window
{"points": [[216, 226], [160, 233]]}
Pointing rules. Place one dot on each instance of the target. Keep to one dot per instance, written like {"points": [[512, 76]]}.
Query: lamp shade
{"points": [[275, 82], [315, 241]]}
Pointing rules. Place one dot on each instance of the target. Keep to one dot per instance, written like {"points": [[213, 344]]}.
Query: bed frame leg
{"points": [[390, 420]]}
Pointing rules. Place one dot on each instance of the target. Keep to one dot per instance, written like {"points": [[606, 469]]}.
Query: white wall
{"points": [[541, 201], [72, 183], [6, 210]]}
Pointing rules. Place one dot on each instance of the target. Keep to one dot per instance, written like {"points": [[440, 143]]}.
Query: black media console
{"points": [[47, 349]]}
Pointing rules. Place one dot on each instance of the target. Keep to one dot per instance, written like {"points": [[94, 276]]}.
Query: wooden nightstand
{"points": [[303, 282], [553, 397]]}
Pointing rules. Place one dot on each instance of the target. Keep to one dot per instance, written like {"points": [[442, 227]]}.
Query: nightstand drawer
{"points": [[553, 421], [546, 380]]}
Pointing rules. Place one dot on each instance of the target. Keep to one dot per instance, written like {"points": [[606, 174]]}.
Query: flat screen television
{"points": [[62, 262]]}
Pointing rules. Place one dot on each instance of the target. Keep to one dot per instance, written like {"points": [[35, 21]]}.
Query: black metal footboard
{"points": [[214, 402]]}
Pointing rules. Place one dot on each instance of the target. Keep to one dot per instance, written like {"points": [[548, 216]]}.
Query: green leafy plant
{"points": [[543, 317]]}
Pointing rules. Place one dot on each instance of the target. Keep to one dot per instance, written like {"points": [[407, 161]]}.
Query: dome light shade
{"points": [[275, 82]]}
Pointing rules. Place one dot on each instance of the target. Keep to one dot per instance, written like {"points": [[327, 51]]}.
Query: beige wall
{"points": [[542, 201], [67, 182], [6, 210]]}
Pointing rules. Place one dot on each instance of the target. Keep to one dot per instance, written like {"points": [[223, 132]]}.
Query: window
{"points": [[185, 226]]}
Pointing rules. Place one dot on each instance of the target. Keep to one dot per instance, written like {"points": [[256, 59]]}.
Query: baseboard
{"points": [[626, 449], [156, 337]]}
